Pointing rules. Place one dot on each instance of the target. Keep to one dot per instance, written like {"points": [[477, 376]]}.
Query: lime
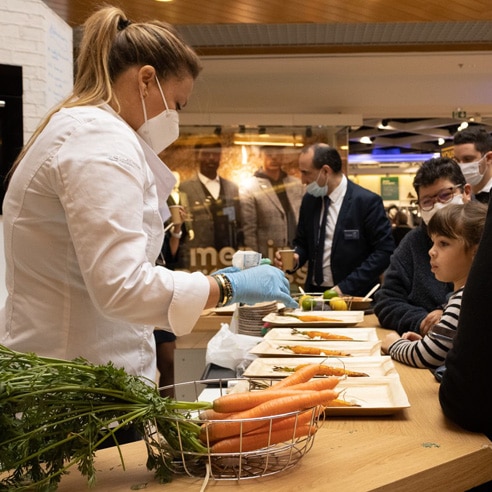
{"points": [[330, 294], [307, 303]]}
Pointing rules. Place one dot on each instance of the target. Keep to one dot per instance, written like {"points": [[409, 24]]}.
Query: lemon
{"points": [[338, 304], [307, 303], [330, 294]]}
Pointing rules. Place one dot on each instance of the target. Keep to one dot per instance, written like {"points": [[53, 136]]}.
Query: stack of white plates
{"points": [[250, 318]]}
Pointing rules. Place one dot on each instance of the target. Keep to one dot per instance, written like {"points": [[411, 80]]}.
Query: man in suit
{"points": [[213, 202], [349, 247], [473, 152], [270, 203]]}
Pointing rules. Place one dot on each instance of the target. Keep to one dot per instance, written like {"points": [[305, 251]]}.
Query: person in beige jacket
{"points": [[270, 202]]}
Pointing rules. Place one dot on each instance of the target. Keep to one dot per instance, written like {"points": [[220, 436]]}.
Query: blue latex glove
{"points": [[260, 284], [230, 269], [233, 269]]}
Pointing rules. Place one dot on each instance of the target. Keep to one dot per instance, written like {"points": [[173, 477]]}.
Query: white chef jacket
{"points": [[82, 232]]}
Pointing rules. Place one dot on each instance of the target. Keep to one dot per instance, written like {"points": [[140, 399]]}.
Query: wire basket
{"points": [[268, 460]]}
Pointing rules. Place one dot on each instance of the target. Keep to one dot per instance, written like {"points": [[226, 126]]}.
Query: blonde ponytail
{"points": [[110, 45]]}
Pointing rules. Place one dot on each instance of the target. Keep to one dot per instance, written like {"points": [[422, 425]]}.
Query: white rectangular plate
{"points": [[334, 318], [376, 396], [355, 349], [358, 334], [264, 367]]}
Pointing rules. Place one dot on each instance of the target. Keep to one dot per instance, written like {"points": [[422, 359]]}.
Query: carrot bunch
{"points": [[287, 410]]}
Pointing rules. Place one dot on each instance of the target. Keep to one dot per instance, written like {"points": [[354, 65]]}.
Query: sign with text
{"points": [[390, 189]]}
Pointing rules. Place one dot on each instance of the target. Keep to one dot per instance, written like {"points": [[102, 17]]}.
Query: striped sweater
{"points": [[427, 352]]}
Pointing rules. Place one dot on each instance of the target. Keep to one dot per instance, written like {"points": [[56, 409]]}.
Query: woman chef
{"points": [[85, 205]]}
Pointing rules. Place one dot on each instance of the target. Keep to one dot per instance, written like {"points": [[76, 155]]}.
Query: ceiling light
{"points": [[366, 140], [441, 141]]}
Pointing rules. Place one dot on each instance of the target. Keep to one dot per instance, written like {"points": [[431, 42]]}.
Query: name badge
{"points": [[351, 234], [230, 212]]}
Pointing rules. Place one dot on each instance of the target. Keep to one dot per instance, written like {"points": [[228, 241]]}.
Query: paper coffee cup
{"points": [[175, 214], [287, 256]]}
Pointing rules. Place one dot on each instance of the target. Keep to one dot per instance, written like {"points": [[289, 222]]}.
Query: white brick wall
{"points": [[34, 37]]}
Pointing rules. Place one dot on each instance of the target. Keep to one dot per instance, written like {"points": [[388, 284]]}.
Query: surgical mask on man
{"points": [[427, 214], [471, 171], [315, 189], [161, 130]]}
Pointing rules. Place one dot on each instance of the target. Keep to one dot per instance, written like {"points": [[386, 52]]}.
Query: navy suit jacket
{"points": [[362, 242]]}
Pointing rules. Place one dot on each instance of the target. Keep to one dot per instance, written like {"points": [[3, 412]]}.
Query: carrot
{"points": [[316, 384], [248, 420], [324, 370], [253, 442], [211, 414], [320, 334], [338, 371], [336, 402], [308, 318], [304, 374], [304, 350], [238, 402], [303, 418]]}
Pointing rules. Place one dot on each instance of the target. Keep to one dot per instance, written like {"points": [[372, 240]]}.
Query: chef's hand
{"points": [[260, 284]]}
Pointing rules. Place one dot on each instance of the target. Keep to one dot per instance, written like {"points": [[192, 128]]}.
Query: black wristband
{"points": [[228, 291]]}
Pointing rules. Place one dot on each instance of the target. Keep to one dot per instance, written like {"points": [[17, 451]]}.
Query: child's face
{"points": [[449, 260]]}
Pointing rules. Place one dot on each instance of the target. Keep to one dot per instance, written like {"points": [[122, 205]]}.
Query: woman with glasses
{"points": [[455, 231], [411, 298]]}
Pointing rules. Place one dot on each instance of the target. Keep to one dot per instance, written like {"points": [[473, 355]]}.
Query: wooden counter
{"points": [[414, 449]]}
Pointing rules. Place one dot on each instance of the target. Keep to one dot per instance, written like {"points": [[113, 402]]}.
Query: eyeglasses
{"points": [[444, 196]]}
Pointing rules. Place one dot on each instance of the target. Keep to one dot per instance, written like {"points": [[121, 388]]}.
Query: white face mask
{"points": [[161, 130], [315, 189], [427, 214], [471, 171]]}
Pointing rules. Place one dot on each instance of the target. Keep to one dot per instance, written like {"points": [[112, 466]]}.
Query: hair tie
{"points": [[123, 23]]}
